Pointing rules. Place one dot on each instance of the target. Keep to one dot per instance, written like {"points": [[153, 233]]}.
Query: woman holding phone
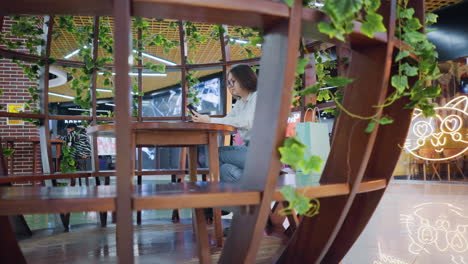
{"points": [[242, 84]]}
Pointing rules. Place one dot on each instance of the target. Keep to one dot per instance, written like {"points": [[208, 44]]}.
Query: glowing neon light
{"points": [[444, 232], [385, 258], [439, 130]]}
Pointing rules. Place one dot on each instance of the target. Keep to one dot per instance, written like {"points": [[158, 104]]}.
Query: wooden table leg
{"points": [[35, 144], [448, 171], [436, 171], [12, 157], [10, 251], [214, 177], [424, 171], [179, 178], [201, 233], [193, 163]]}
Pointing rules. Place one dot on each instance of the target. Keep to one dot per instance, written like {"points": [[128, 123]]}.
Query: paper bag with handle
{"points": [[314, 135]]}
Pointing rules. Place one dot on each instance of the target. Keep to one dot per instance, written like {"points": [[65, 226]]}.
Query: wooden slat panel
{"points": [[349, 155], [252, 13], [125, 148], [318, 191], [166, 138], [192, 195], [262, 166], [35, 200], [40, 177]]}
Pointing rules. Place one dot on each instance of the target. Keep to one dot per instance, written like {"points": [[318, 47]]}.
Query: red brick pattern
{"points": [[15, 84]]}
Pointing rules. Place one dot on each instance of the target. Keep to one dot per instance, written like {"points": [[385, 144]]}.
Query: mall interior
{"points": [[356, 150]]}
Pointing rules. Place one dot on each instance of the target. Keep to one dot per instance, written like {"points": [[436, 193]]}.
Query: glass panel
{"points": [[240, 43], [162, 95], [70, 35], [209, 91], [82, 145], [161, 42], [61, 96], [203, 44]]}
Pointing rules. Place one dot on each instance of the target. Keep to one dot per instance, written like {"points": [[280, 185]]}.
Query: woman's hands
{"points": [[200, 118]]}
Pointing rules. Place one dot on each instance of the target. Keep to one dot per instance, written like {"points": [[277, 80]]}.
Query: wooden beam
{"points": [[124, 161], [262, 167]]}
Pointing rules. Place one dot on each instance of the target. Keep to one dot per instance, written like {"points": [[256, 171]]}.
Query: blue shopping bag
{"points": [[315, 136]]}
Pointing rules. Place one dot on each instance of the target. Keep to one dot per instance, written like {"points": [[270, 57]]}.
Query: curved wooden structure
{"points": [[356, 173]]}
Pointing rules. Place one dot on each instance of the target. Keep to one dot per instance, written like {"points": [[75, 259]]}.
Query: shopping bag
{"points": [[315, 136], [293, 119]]}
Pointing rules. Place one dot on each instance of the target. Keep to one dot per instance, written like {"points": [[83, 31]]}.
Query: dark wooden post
{"points": [[123, 117], [262, 168]]}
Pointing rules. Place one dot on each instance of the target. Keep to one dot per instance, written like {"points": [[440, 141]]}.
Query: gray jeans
{"points": [[231, 162]]}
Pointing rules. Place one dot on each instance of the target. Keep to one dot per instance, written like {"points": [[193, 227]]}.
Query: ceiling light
{"points": [[87, 110], [242, 42], [170, 63], [327, 88], [104, 90], [61, 95], [143, 74], [73, 53]]}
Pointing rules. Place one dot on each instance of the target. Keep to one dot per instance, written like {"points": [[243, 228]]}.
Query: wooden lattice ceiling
{"points": [[433, 5], [206, 52]]}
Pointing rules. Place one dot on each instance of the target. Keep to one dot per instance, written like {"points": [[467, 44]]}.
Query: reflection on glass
{"points": [[167, 102]]}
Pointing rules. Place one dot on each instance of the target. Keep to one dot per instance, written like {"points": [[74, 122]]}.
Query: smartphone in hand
{"points": [[192, 109]]}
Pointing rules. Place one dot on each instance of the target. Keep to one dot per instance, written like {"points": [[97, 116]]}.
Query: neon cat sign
{"points": [[436, 132]]}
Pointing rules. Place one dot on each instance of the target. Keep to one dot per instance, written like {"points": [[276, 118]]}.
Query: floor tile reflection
{"points": [[416, 222]]}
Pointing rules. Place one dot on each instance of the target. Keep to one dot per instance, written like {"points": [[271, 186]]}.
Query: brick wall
{"points": [[15, 85]]}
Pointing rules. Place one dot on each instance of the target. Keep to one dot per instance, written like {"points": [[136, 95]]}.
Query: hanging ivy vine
{"points": [[27, 29], [67, 164], [192, 93], [342, 14]]}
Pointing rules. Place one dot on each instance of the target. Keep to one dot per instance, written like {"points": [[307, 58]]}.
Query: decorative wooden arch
{"points": [[356, 158]]}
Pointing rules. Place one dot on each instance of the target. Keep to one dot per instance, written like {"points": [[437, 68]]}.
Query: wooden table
{"points": [[178, 134]]}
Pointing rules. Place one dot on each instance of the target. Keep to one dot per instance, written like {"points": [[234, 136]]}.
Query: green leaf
{"points": [[402, 54], [292, 155], [406, 13], [409, 70], [413, 24], [341, 10], [296, 201], [323, 95], [400, 82], [414, 37], [330, 30], [370, 127], [289, 193], [161, 68], [373, 23], [314, 163], [338, 81], [385, 121], [430, 18], [289, 2], [301, 64], [313, 89], [372, 5]]}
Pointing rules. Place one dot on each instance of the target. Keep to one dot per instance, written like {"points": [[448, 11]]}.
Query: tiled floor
{"points": [[417, 223]]}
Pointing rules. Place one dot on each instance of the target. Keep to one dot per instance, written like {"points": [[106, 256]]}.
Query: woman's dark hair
{"points": [[245, 76]]}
